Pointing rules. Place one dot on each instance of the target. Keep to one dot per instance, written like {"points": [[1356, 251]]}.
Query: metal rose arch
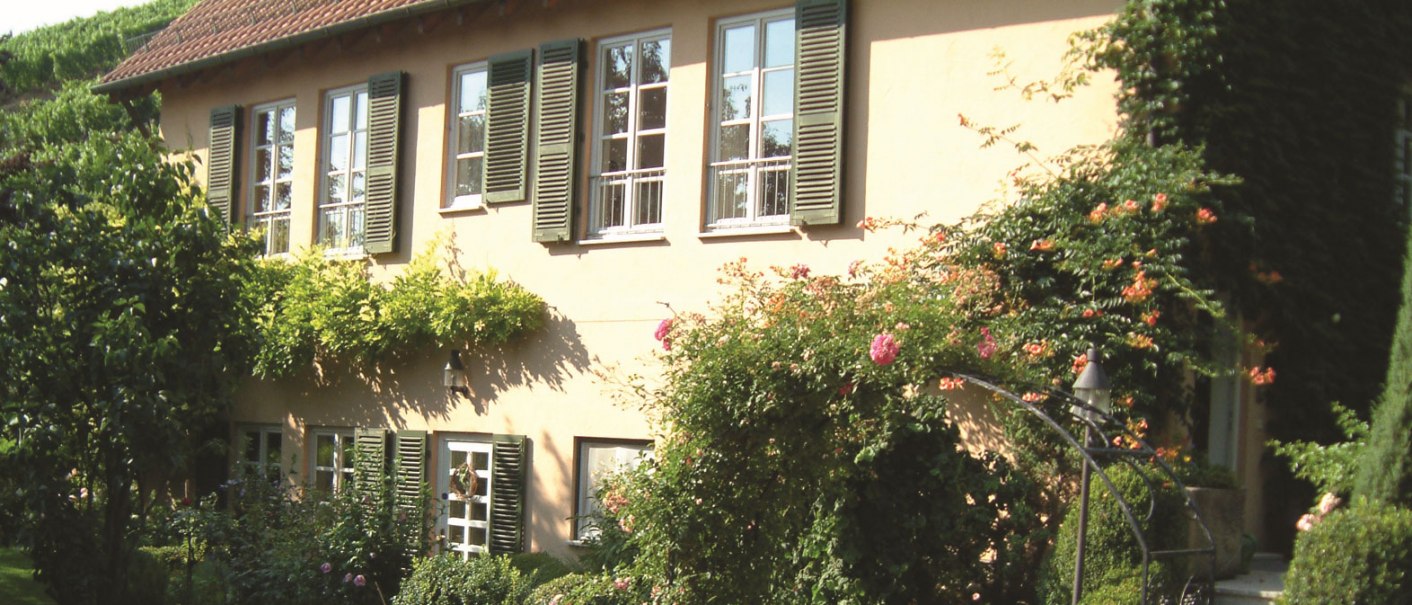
{"points": [[1100, 428]]}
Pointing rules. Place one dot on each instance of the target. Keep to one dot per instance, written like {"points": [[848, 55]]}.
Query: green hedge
{"points": [[1112, 560], [1357, 555], [450, 580]]}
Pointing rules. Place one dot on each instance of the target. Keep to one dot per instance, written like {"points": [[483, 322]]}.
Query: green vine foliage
{"points": [[323, 310]]}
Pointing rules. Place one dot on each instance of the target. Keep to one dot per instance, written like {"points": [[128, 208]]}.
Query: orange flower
{"points": [[1139, 341], [1112, 263], [1140, 289], [1032, 397], [951, 384], [1205, 216], [1042, 245], [1092, 313], [1260, 377], [1159, 202], [1036, 349], [998, 248], [1098, 212], [1130, 205], [1080, 363], [1150, 318]]}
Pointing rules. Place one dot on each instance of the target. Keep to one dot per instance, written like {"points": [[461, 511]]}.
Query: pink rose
{"points": [[360, 581], [1328, 503], [986, 347], [620, 583], [663, 333], [799, 271], [1305, 523], [883, 350], [326, 567]]}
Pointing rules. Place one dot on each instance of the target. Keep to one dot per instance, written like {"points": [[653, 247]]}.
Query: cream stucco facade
{"points": [[912, 67]]}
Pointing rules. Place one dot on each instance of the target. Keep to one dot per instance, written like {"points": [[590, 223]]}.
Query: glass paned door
{"points": [[465, 477]]}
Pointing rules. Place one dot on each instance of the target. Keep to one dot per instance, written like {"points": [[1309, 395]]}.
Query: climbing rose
{"points": [[986, 347], [663, 332], [326, 567], [799, 271], [884, 349]]}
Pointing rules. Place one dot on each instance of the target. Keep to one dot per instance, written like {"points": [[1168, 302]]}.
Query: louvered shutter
{"points": [[510, 459], [555, 138], [408, 467], [371, 446], [222, 167], [817, 186], [384, 132], [507, 127]]}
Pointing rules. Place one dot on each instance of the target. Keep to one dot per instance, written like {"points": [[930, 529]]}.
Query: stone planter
{"points": [[1223, 509]]}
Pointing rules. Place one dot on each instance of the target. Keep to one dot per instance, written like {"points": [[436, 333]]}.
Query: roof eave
{"points": [[151, 78]]}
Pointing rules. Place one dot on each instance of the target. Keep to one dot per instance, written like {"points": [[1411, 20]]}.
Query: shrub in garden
{"points": [[1386, 471], [1358, 555], [539, 567], [451, 580], [1112, 560], [591, 589]]}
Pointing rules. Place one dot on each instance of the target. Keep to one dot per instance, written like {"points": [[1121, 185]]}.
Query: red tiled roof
{"points": [[216, 31]]}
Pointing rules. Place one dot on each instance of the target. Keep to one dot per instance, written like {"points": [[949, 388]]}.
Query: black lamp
{"points": [[453, 376]]}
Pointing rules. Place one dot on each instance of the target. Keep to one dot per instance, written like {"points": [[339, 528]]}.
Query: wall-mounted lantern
{"points": [[453, 376]]}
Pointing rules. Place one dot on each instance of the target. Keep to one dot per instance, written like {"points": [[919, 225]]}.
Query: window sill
{"points": [[580, 543], [347, 254], [461, 209], [721, 232], [626, 238]]}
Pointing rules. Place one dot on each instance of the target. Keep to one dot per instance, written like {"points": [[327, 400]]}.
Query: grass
{"points": [[17, 585]]}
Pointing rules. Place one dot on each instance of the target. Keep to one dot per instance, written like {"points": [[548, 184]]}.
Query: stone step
{"points": [[1262, 586]]}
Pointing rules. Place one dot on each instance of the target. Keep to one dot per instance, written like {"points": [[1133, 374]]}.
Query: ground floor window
{"points": [[597, 458], [332, 459], [260, 452], [465, 477]]}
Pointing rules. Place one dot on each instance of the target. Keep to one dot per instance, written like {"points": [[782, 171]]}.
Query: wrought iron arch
{"points": [[1099, 430]]}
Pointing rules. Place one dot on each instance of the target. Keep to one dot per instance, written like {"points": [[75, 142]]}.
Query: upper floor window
{"points": [[342, 198], [272, 174], [630, 133], [467, 169], [752, 142]]}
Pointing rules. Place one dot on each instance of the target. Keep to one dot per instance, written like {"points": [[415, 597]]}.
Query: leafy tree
{"points": [[122, 329]]}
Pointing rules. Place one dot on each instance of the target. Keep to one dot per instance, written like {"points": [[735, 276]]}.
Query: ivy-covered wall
{"points": [[1297, 98]]}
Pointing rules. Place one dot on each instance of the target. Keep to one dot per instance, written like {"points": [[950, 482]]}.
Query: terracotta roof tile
{"points": [[218, 29]]}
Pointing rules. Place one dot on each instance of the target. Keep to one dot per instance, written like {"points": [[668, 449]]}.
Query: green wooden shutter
{"points": [[222, 167], [817, 187], [408, 465], [510, 460], [384, 131], [556, 133], [371, 446], [507, 127]]}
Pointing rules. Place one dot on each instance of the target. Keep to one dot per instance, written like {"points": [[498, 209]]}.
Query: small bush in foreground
{"points": [[450, 580], [1357, 555]]}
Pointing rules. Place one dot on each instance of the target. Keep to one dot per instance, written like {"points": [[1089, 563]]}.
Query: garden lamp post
{"points": [[1094, 389], [453, 376]]}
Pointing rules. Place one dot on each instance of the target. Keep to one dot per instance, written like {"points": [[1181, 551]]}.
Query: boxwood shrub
{"points": [[450, 580], [1357, 555]]}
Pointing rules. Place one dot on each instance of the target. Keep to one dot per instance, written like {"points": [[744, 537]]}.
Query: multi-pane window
{"points": [[597, 460], [754, 116], [333, 459], [343, 196], [466, 476], [273, 175], [1402, 152], [467, 170], [631, 134], [260, 452]]}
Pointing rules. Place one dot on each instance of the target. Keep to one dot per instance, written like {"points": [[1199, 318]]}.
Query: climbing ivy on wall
{"points": [[1297, 99]]}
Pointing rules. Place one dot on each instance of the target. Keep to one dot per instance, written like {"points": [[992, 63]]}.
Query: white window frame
{"points": [[245, 466], [754, 169], [628, 453], [264, 220], [448, 526], [454, 114], [342, 467], [634, 182], [351, 209]]}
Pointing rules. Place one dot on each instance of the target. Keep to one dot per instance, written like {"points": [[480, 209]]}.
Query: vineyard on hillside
{"points": [[38, 61]]}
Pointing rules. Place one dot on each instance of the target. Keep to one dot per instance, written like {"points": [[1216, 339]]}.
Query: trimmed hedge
{"points": [[449, 580], [1112, 560], [1357, 555]]}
